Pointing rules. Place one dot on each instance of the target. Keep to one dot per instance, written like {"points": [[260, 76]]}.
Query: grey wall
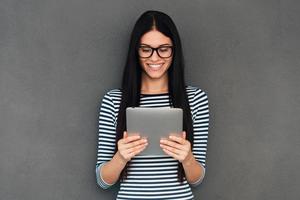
{"points": [[57, 58]]}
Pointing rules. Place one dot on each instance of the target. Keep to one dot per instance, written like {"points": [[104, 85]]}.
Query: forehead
{"points": [[155, 38]]}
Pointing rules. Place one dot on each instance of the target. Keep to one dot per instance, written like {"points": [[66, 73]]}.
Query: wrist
{"points": [[119, 159], [189, 159]]}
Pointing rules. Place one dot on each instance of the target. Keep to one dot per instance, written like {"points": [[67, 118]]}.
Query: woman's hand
{"points": [[177, 147], [129, 146]]}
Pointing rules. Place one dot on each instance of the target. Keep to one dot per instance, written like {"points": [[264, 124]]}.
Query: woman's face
{"points": [[155, 67]]}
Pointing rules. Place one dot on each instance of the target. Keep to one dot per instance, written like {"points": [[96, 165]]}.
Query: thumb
{"points": [[125, 134], [184, 135]]}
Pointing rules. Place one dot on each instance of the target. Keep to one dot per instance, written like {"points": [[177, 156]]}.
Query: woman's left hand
{"points": [[177, 147]]}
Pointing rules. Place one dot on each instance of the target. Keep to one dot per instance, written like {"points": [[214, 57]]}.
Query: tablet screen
{"points": [[154, 124]]}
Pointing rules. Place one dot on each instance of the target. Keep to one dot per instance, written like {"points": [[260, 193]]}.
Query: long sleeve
{"points": [[106, 136], [200, 111]]}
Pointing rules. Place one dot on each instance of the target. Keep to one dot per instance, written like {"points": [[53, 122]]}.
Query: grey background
{"points": [[58, 58]]}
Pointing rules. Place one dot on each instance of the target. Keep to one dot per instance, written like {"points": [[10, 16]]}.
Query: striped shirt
{"points": [[152, 177]]}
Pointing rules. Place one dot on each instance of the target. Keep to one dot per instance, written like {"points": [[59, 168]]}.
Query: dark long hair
{"points": [[131, 83]]}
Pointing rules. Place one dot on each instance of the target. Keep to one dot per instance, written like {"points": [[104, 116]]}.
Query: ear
{"points": [[183, 134]]}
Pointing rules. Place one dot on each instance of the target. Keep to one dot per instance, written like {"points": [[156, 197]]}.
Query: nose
{"points": [[154, 56]]}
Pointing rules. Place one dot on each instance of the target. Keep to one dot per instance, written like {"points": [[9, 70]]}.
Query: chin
{"points": [[155, 75]]}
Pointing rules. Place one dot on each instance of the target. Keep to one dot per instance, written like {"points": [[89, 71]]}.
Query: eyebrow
{"points": [[159, 45]]}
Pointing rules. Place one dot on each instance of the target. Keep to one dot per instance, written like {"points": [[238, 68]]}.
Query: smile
{"points": [[155, 66]]}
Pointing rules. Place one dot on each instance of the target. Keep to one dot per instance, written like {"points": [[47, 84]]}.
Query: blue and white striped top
{"points": [[152, 177]]}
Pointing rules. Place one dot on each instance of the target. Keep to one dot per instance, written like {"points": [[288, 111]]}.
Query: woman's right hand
{"points": [[129, 146]]}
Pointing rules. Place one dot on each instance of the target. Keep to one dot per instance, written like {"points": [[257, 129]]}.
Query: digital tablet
{"points": [[154, 124]]}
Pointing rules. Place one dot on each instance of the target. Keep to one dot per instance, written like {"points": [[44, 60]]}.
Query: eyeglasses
{"points": [[163, 51]]}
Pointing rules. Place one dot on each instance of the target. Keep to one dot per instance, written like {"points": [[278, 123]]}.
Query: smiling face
{"points": [[155, 67]]}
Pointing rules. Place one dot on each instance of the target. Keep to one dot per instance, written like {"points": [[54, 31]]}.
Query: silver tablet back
{"points": [[154, 123]]}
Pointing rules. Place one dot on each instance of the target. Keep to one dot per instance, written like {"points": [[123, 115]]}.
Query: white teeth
{"points": [[155, 66]]}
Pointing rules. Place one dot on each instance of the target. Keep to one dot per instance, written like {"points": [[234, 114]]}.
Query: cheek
{"points": [[169, 62], [142, 63]]}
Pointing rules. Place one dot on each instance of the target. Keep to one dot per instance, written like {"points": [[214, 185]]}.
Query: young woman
{"points": [[153, 77]]}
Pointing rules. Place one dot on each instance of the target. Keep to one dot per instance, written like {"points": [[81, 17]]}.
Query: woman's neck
{"points": [[154, 86]]}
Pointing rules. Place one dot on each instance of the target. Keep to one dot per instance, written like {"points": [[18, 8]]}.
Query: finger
{"points": [[131, 153], [127, 153], [137, 148], [172, 144], [139, 151], [123, 141], [135, 143], [125, 134], [172, 149], [129, 139], [171, 154], [180, 140], [184, 135]]}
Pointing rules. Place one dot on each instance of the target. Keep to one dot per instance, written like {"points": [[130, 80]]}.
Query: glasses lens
{"points": [[145, 52], [165, 52]]}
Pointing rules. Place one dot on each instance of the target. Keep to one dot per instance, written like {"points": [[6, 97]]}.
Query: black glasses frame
{"points": [[156, 49]]}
